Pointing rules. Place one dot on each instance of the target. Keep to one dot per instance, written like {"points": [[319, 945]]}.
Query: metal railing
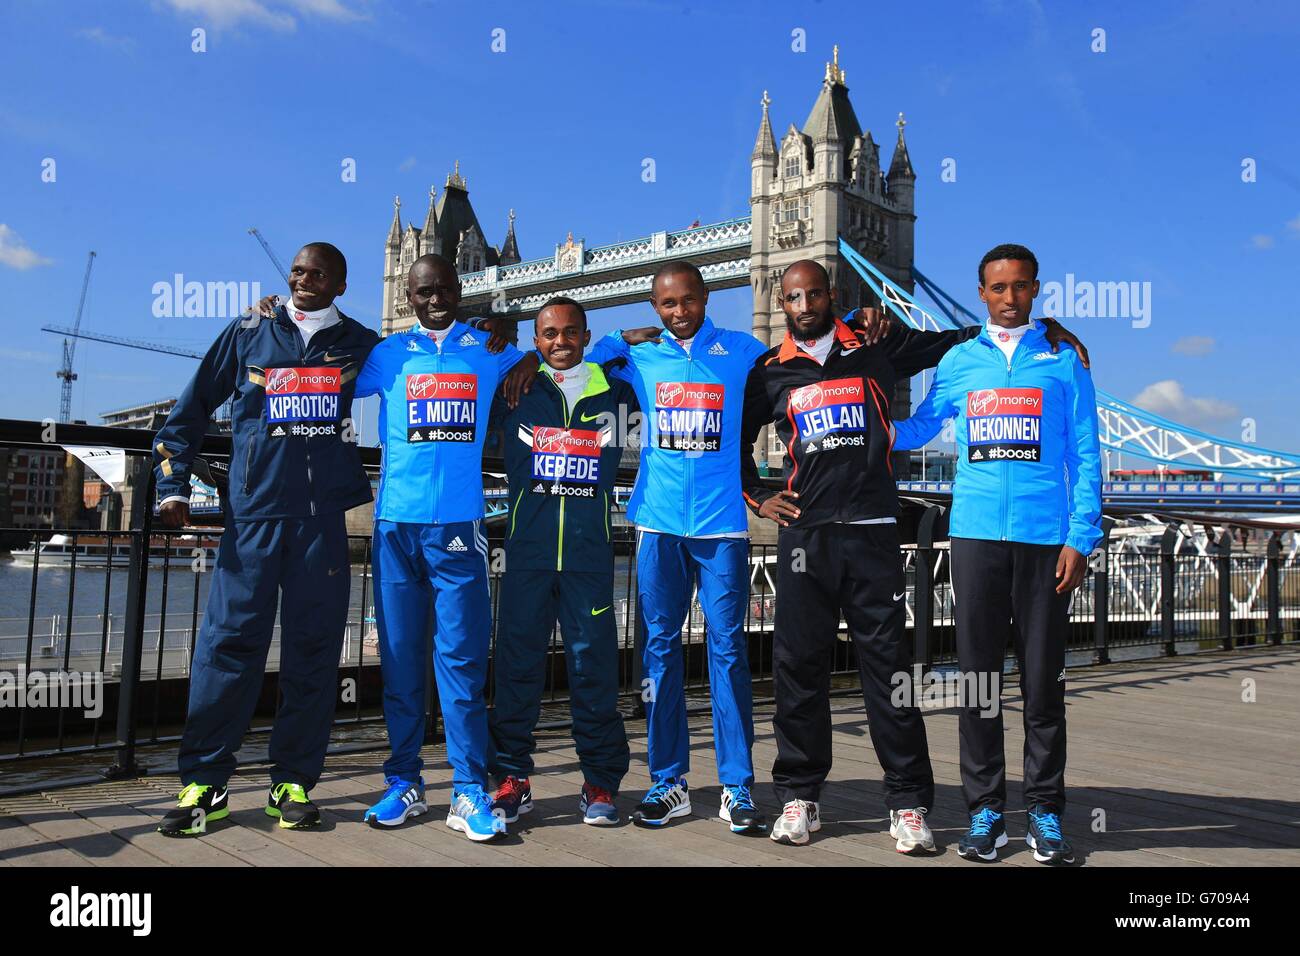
{"points": [[131, 622]]}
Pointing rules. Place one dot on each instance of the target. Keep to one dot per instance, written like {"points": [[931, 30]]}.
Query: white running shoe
{"points": [[909, 828], [798, 819]]}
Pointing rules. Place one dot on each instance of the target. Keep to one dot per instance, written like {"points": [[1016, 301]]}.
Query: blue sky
{"points": [[1115, 166]]}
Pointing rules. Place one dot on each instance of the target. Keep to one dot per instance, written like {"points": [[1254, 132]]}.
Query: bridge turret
{"points": [[429, 234], [392, 265], [510, 248]]}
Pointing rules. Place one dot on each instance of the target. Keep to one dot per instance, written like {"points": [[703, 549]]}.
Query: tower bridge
{"points": [[818, 192]]}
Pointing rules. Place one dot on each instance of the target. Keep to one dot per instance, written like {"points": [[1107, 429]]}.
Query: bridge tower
{"points": [[819, 183], [451, 229]]}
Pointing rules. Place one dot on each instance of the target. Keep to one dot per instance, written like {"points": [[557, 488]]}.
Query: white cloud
{"points": [[1195, 345], [104, 38], [1293, 224], [407, 165], [1167, 398], [275, 14], [15, 253], [1262, 241]]}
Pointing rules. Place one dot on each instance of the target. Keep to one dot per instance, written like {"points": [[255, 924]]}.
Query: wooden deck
{"points": [[1168, 766]]}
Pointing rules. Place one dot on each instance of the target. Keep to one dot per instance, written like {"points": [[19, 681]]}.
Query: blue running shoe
{"points": [[471, 814], [402, 799], [668, 798], [1045, 837], [739, 810], [597, 806], [988, 832]]}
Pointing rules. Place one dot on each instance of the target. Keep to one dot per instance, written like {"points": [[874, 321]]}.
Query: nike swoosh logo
{"points": [[594, 612], [589, 418], [899, 595], [335, 358], [334, 571]]}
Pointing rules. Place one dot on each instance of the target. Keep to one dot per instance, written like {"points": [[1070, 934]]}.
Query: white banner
{"points": [[108, 463]]}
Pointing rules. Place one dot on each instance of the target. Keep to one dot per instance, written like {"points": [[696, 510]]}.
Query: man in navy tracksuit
{"points": [[1025, 516], [294, 472], [562, 445], [436, 384]]}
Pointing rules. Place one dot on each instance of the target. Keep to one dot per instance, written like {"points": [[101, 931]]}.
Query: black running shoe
{"points": [[1045, 838], [290, 803], [666, 799], [987, 833], [198, 806], [738, 809]]}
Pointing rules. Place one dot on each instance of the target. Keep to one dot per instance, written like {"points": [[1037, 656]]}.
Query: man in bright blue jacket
{"points": [[692, 525], [294, 472], [436, 384], [1025, 516]]}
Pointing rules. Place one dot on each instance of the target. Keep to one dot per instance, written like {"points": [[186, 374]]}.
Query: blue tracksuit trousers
{"points": [[435, 577], [304, 563], [667, 568]]}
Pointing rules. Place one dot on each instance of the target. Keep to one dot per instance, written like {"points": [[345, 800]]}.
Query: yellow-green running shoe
{"points": [[198, 806], [290, 803]]}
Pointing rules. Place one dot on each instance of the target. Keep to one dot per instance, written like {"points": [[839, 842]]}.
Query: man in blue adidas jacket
{"points": [[562, 445], [692, 526], [1025, 516], [294, 472], [436, 384]]}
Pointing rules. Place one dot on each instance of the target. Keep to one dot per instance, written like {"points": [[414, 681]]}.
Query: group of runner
{"points": [[1025, 515]]}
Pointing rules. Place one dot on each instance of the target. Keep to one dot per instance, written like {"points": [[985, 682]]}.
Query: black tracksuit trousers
{"points": [[1007, 589], [857, 570]]}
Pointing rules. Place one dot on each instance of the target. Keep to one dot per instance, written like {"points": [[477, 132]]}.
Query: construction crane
{"points": [[279, 268], [65, 373], [119, 340]]}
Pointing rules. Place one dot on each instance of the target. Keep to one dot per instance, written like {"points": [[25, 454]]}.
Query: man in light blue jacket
{"points": [[691, 525], [1026, 514]]}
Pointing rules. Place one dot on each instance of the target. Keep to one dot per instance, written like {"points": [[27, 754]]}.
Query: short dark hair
{"points": [[332, 253], [561, 300], [1008, 250], [676, 267]]}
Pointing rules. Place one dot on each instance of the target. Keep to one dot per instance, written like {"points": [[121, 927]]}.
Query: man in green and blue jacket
{"points": [[562, 445]]}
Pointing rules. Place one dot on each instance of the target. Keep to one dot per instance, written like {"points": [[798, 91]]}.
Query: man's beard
{"points": [[824, 325]]}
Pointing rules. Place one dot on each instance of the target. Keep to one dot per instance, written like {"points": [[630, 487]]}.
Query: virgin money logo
{"points": [[282, 380], [1004, 401], [544, 439], [419, 386], [984, 402], [810, 396], [669, 394]]}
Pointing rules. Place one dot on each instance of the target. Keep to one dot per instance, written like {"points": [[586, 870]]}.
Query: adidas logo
{"points": [[811, 446], [717, 349], [277, 432], [467, 340], [457, 544], [412, 346], [417, 436], [977, 455], [539, 488], [1045, 356]]}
